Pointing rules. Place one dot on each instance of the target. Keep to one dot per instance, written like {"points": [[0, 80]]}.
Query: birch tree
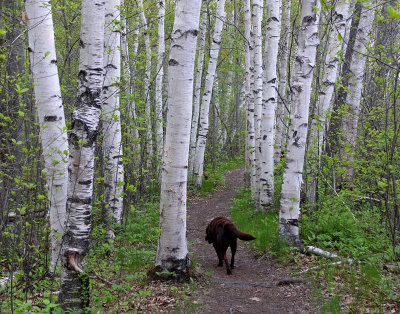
{"points": [[257, 92], [159, 78], [112, 145], [208, 89], [172, 252], [283, 65], [82, 138], [339, 15], [146, 80], [53, 131], [337, 32], [353, 98], [197, 90], [300, 96], [273, 30], [250, 141]]}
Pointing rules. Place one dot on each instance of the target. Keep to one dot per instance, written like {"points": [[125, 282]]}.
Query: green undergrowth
{"points": [[359, 235], [121, 268], [263, 225], [214, 179]]}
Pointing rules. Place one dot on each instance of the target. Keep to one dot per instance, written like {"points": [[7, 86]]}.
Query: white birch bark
{"points": [[197, 91], [111, 126], [324, 105], [208, 89], [272, 34], [53, 131], [172, 252], [283, 65], [159, 78], [146, 81], [301, 91], [249, 103], [353, 98], [84, 130], [320, 123], [257, 91]]}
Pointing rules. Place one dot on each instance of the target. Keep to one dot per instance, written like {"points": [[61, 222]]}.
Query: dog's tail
{"points": [[241, 235]]}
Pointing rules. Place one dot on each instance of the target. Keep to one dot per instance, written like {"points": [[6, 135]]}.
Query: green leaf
{"points": [[392, 12]]}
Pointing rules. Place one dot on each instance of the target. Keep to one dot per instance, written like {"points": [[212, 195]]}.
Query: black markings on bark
{"points": [[50, 118], [86, 182], [173, 62], [265, 137], [78, 200], [53, 61], [294, 133]]}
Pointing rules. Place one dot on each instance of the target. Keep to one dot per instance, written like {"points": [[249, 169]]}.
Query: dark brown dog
{"points": [[222, 233]]}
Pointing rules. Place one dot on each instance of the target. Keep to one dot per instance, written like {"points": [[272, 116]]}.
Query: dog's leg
{"points": [[219, 254], [233, 250], [228, 268]]}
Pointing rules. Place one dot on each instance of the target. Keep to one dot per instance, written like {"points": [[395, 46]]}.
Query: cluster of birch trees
{"points": [[130, 98]]}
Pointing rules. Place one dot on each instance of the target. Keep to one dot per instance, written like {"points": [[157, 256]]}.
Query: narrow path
{"points": [[253, 286]]}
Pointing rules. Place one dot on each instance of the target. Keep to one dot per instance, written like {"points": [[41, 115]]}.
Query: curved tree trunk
{"points": [[112, 145], [53, 131], [84, 130], [320, 123], [172, 252], [301, 92], [208, 89], [273, 30], [353, 98]]}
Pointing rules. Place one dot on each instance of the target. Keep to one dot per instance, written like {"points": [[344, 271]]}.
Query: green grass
{"points": [[215, 179]]}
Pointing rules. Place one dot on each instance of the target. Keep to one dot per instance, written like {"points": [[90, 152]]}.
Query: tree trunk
{"points": [[208, 89], [197, 91], [301, 91], [283, 64], [53, 131], [321, 120], [84, 130], [273, 30], [146, 81], [112, 145], [159, 79], [172, 252], [353, 98], [250, 140], [257, 91]]}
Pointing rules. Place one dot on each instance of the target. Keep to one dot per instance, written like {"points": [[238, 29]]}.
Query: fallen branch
{"points": [[330, 255]]}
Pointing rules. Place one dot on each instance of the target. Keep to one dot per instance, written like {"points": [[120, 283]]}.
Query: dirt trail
{"points": [[253, 286]]}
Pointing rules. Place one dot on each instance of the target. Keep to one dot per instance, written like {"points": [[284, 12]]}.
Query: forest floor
{"points": [[254, 286]]}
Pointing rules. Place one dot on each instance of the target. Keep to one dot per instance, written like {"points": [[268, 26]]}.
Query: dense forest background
{"points": [[322, 174]]}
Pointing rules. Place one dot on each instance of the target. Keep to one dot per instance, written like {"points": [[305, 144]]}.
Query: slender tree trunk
{"points": [[84, 130], [146, 81], [353, 98], [53, 131], [172, 252], [159, 79], [324, 104], [197, 91], [273, 30], [250, 140], [112, 145], [283, 65], [208, 89], [301, 92], [257, 91]]}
